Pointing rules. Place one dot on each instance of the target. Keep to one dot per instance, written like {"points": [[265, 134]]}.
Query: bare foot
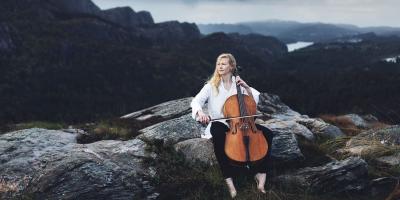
{"points": [[231, 187], [260, 180]]}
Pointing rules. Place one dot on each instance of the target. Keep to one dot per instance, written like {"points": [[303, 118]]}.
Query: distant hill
{"points": [[227, 28], [342, 76], [66, 60], [291, 31]]}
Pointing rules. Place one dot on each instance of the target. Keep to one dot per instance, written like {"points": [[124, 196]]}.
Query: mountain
{"points": [[127, 17], [271, 27], [317, 32], [341, 76], [227, 28], [78, 65], [62, 61], [74, 6], [292, 31]]}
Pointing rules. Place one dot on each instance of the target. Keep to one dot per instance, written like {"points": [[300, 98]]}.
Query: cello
{"points": [[244, 143]]}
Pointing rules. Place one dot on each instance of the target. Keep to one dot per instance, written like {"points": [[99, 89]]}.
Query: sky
{"points": [[357, 12]]}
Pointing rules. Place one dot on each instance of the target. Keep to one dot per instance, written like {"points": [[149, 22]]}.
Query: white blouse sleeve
{"points": [[200, 99], [256, 95]]}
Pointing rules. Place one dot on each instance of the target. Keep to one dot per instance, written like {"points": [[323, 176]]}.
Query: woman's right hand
{"points": [[202, 117]]}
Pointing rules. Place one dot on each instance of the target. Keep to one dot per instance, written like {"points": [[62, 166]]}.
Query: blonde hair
{"points": [[216, 78]]}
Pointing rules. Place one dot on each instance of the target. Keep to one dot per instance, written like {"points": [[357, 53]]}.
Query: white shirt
{"points": [[216, 102]]}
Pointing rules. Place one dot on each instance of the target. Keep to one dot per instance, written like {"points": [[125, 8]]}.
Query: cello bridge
{"points": [[244, 126]]}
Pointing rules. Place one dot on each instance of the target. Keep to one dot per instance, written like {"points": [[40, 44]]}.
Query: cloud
{"points": [[358, 12]]}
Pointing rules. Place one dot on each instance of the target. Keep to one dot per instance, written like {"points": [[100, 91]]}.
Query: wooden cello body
{"points": [[244, 143]]}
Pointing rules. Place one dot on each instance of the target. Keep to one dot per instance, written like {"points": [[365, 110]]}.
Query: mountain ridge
{"points": [[286, 30]]}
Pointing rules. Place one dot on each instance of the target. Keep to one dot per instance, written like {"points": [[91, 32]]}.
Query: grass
{"points": [[109, 130], [377, 170], [314, 153], [106, 129], [372, 150], [331, 146], [115, 128], [33, 124], [178, 179], [347, 126]]}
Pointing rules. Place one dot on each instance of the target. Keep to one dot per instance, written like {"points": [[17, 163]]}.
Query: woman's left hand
{"points": [[241, 82]]}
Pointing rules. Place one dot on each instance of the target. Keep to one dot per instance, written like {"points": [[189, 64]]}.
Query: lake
{"points": [[298, 45]]}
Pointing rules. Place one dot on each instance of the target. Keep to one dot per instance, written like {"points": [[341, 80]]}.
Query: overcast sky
{"points": [[357, 12]]}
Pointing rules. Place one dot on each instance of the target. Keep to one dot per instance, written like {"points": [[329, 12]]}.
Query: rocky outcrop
{"points": [[172, 131], [362, 122], [297, 129], [76, 6], [357, 120], [272, 105], [140, 24], [197, 150], [127, 17], [48, 164], [349, 175], [320, 128], [384, 188], [166, 110], [172, 32], [285, 148]]}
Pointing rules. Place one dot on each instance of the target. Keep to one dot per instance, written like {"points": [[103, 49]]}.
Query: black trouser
{"points": [[218, 130]]}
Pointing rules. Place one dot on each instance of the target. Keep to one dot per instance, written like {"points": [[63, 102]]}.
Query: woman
{"points": [[221, 86]]}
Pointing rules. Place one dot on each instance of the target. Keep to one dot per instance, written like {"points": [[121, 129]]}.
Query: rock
{"points": [[391, 160], [197, 149], [127, 17], [320, 128], [284, 144], [370, 118], [270, 103], [48, 164], [337, 177], [166, 110], [380, 188], [70, 129], [273, 105], [278, 125], [172, 131], [357, 120], [83, 137]]}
